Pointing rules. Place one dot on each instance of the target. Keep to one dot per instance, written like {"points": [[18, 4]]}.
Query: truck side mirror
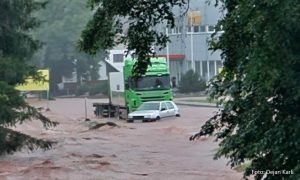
{"points": [[163, 109]]}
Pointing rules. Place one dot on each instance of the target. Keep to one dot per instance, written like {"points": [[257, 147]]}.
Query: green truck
{"points": [[127, 93]]}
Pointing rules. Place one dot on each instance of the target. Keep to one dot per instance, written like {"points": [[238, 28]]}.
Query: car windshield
{"points": [[149, 106], [150, 83]]}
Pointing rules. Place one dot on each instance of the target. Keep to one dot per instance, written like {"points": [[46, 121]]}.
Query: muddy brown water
{"points": [[129, 151]]}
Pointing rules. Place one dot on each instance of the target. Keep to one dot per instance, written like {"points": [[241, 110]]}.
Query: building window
{"points": [[204, 69], [176, 30], [219, 28], [118, 58], [202, 28], [189, 29], [189, 65], [179, 30], [211, 28], [173, 31], [196, 29], [169, 31], [211, 69], [197, 67]]}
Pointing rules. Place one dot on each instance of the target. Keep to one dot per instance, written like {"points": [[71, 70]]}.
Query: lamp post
{"points": [[168, 53], [192, 46], [76, 72], [190, 22]]}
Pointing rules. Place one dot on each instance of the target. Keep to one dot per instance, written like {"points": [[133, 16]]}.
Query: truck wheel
{"points": [[117, 112], [157, 118], [125, 113], [177, 115]]}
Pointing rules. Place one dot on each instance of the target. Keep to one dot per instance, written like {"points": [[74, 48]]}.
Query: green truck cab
{"points": [[154, 85]]}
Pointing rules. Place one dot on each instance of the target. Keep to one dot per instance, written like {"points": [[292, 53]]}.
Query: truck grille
{"points": [[155, 98]]}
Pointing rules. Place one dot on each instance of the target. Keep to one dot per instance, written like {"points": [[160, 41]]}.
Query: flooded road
{"points": [[133, 151]]}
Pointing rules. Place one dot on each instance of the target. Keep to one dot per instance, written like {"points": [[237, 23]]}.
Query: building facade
{"points": [[189, 45]]}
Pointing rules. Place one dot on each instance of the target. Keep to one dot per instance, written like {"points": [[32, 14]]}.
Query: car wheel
{"points": [[177, 115], [157, 118]]}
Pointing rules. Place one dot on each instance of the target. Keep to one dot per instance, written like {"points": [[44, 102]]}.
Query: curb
{"points": [[196, 104]]}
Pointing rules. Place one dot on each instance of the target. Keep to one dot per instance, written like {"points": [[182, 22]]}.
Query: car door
{"points": [[171, 109], [163, 110]]}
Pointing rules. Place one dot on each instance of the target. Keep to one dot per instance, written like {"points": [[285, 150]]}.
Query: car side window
{"points": [[163, 106], [170, 105]]}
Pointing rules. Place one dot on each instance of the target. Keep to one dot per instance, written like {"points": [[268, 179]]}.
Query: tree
{"points": [[107, 27], [191, 82], [259, 87], [63, 20], [16, 47]]}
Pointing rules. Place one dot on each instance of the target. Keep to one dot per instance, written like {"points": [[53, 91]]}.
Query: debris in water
{"points": [[97, 126]]}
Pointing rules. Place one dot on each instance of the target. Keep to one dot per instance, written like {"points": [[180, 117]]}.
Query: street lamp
{"points": [[76, 72]]}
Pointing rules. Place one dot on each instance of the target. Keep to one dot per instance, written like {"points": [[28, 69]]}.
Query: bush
{"points": [[82, 89], [191, 82], [95, 89], [104, 88], [100, 87]]}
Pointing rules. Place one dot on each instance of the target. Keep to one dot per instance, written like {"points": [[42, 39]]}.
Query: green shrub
{"points": [[82, 89], [104, 87], [95, 89], [191, 82], [100, 87]]}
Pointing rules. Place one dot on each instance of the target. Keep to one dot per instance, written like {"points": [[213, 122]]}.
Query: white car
{"points": [[154, 110]]}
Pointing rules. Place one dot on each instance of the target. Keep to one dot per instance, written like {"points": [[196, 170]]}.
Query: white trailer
{"points": [[116, 89]]}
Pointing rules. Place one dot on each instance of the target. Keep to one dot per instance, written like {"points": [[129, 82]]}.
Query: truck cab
{"points": [[154, 85]]}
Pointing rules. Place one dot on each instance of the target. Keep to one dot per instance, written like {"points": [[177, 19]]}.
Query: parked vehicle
{"points": [[154, 110], [127, 93]]}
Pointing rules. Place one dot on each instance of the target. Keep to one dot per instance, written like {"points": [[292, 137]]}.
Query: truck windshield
{"points": [[150, 83]]}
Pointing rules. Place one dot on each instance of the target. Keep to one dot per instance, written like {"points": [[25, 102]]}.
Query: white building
{"points": [[113, 62]]}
